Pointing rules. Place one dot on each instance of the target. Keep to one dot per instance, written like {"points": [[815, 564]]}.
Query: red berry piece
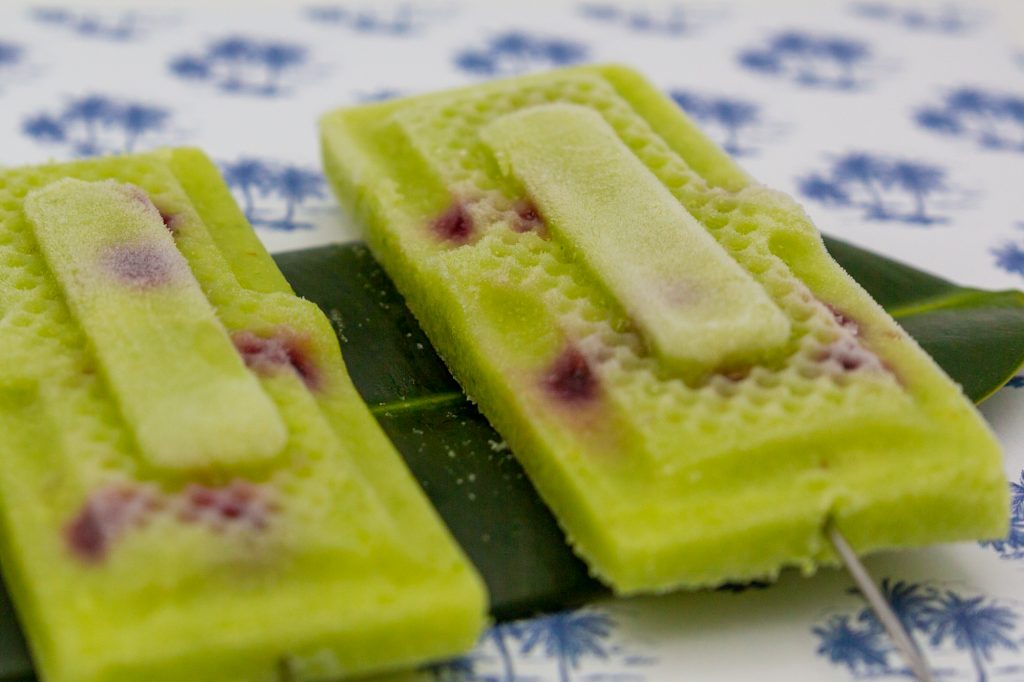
{"points": [[849, 356], [86, 536], [283, 350], [238, 504], [107, 515], [171, 221], [530, 219], [844, 320], [455, 224], [570, 378]]}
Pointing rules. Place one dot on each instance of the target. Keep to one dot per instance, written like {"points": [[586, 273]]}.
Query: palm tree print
{"points": [[885, 188], [811, 60], [730, 116], [977, 627], [861, 650], [938, 18], [115, 27], [1010, 257], [669, 21], [241, 65], [97, 124], [912, 603], [993, 120], [402, 20], [248, 176], [975, 624], [273, 194], [499, 636], [10, 54], [516, 52], [568, 637], [553, 646], [1012, 546]]}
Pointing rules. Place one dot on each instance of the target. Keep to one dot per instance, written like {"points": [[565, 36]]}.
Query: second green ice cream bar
{"points": [[694, 386], [190, 486]]}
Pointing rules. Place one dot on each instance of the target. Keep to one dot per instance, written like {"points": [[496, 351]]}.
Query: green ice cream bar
{"points": [[191, 488], [694, 386]]}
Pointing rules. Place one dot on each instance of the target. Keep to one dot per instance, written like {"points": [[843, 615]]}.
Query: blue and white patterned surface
{"points": [[899, 124]]}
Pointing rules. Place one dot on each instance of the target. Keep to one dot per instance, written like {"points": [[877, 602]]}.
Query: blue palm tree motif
{"points": [[672, 21], [464, 668], [249, 176], [238, 64], [863, 650], [139, 119], [730, 115], [516, 52], [95, 124], [273, 185], [1017, 497], [912, 603], [993, 120], [1010, 257], [886, 188], [402, 20], [10, 54], [811, 60], [499, 636], [296, 185], [116, 27], [45, 128], [1012, 546], [975, 624], [568, 637], [926, 17], [278, 58]]}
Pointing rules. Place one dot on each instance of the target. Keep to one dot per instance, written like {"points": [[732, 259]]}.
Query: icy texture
{"points": [[663, 477], [320, 561], [177, 378], [695, 306]]}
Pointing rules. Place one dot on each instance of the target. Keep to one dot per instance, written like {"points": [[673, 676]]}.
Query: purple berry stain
{"points": [[143, 266], [111, 512], [105, 516], [529, 218], [266, 355], [169, 219], [848, 352], [844, 320], [172, 221], [455, 224], [570, 378], [239, 503], [850, 356], [86, 536]]}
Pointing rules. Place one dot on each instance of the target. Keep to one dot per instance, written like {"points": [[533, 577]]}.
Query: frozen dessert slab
{"points": [[191, 487], [688, 425]]}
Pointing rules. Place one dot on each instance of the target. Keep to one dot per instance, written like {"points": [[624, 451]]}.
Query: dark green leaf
{"points": [[977, 337]]}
